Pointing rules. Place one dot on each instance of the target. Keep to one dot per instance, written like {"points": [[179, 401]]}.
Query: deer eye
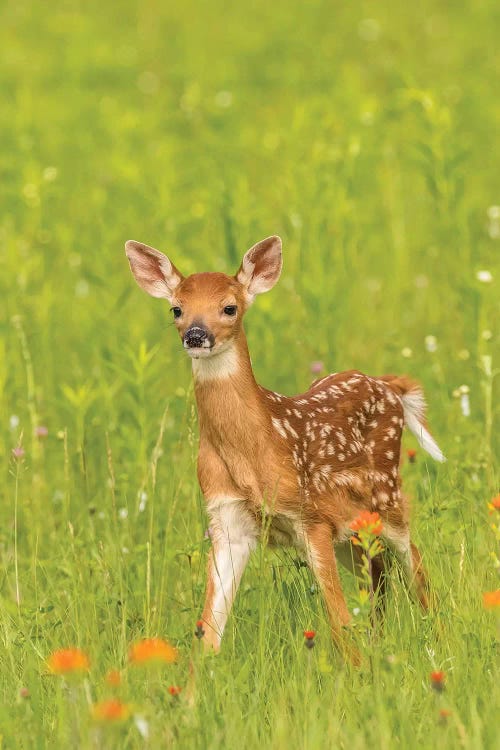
{"points": [[230, 310], [176, 311]]}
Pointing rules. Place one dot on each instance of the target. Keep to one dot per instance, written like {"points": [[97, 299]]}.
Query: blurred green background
{"points": [[365, 134]]}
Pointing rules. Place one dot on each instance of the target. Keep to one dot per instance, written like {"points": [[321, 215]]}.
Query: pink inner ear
{"points": [[153, 271], [266, 259]]}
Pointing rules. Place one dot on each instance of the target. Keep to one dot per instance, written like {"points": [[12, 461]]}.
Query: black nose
{"points": [[195, 337]]}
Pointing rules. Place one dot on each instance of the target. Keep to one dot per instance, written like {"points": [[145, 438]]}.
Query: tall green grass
{"points": [[365, 136]]}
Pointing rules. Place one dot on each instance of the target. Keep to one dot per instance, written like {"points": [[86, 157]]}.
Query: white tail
{"points": [[414, 410]]}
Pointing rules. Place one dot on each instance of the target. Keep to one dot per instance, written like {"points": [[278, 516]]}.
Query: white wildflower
{"points": [[465, 404], [142, 726], [13, 421], [463, 394], [123, 513], [406, 352], [431, 343], [143, 498], [485, 277]]}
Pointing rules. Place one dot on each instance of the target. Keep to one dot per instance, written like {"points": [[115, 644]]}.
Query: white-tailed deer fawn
{"points": [[305, 466]]}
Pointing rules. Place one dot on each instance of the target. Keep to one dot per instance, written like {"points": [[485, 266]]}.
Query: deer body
{"points": [[301, 467]]}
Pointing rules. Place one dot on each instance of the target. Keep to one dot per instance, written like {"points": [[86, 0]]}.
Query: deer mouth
{"points": [[198, 352]]}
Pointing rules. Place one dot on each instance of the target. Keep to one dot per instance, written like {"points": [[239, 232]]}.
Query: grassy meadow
{"points": [[365, 135]]}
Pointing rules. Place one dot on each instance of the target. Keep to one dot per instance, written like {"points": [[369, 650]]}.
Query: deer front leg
{"points": [[234, 535], [321, 557]]}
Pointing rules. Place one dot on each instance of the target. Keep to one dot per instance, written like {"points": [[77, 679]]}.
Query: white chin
{"points": [[199, 352]]}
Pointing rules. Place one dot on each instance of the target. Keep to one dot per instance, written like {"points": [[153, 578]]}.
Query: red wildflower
{"points": [[67, 661], [491, 599], [199, 632], [444, 715], [152, 650], [412, 455], [309, 636], [368, 523], [174, 690], [438, 679]]}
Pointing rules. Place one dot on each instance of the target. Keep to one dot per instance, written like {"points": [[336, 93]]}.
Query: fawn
{"points": [[303, 466]]}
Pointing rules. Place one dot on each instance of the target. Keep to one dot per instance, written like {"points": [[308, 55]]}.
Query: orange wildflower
{"points": [[444, 715], [494, 505], [369, 523], [111, 710], [491, 599], [152, 650], [174, 690], [438, 679], [412, 455], [67, 661], [113, 678]]}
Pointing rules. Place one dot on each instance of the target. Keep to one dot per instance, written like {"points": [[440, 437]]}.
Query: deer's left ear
{"points": [[261, 267]]}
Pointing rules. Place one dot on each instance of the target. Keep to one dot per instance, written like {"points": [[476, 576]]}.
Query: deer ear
{"points": [[153, 271], [261, 267]]}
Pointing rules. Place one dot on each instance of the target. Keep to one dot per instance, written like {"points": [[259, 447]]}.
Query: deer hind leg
{"points": [[420, 578], [411, 559], [322, 560], [234, 537]]}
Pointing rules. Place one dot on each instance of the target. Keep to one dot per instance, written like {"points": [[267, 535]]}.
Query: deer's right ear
{"points": [[153, 271]]}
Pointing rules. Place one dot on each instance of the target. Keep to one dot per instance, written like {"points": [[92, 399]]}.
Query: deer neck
{"points": [[230, 406]]}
